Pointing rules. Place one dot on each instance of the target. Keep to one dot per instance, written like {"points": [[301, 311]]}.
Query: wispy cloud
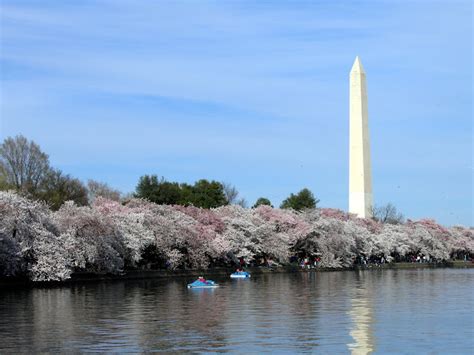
{"points": [[249, 92]]}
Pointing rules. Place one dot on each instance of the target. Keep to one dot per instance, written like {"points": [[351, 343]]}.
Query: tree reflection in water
{"points": [[358, 312]]}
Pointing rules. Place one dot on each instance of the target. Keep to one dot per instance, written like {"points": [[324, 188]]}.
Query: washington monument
{"points": [[360, 179]]}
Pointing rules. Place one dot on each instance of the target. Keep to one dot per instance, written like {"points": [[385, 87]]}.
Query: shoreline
{"points": [[222, 271]]}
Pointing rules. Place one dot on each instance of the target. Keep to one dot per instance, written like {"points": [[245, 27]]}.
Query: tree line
{"points": [[52, 225], [25, 168], [109, 237]]}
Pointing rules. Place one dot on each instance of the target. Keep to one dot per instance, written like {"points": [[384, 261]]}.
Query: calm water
{"points": [[407, 311]]}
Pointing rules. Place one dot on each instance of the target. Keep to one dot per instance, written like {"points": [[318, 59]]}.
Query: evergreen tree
{"points": [[204, 193], [302, 200], [262, 201]]}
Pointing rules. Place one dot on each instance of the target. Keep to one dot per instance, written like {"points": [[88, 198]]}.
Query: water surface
{"points": [[382, 311]]}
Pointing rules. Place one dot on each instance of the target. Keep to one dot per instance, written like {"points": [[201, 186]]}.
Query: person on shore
{"points": [[242, 262]]}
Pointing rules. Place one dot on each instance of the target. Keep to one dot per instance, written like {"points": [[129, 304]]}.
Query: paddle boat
{"points": [[239, 274], [201, 282]]}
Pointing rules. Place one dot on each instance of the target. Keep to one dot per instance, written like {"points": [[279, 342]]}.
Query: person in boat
{"points": [[202, 279]]}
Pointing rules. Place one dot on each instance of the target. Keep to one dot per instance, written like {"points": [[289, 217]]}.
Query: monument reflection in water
{"points": [[361, 314]]}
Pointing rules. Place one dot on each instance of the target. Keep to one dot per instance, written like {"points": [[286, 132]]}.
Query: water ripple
{"points": [[360, 312]]}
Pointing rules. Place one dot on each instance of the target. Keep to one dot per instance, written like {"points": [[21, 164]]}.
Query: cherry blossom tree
{"points": [[462, 241], [93, 241], [280, 229], [29, 242], [239, 232], [132, 225], [431, 238], [111, 237]]}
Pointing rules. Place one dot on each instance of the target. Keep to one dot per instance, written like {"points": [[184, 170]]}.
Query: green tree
{"points": [[159, 191], [4, 185], [302, 200], [204, 193], [58, 188], [262, 201], [208, 194]]}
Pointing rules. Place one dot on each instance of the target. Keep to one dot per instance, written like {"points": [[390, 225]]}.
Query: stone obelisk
{"points": [[360, 179]]}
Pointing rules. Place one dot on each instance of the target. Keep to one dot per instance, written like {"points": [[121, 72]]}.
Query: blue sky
{"points": [[251, 93]]}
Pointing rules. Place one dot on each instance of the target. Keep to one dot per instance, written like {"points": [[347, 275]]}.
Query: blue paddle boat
{"points": [[201, 282], [240, 275]]}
